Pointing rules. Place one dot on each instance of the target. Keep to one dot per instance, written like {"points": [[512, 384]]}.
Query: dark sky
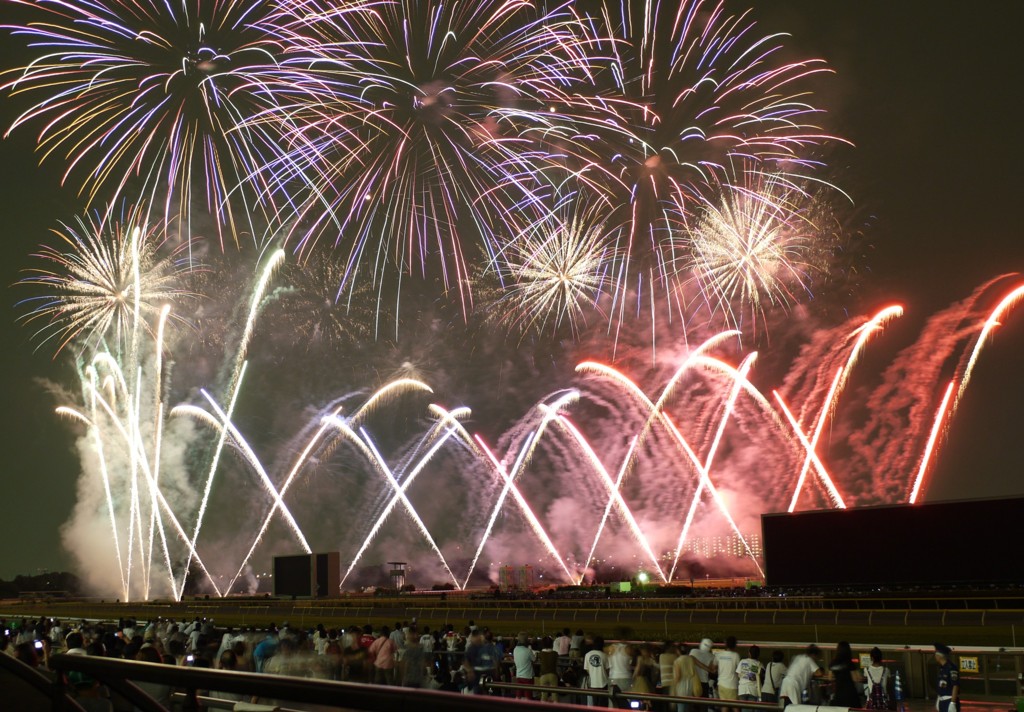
{"points": [[933, 101]]}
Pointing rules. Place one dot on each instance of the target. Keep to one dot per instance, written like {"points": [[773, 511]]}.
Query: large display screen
{"points": [[976, 541]]}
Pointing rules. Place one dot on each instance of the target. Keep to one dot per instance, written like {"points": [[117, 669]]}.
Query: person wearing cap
{"points": [[524, 657], [948, 686], [704, 660]]}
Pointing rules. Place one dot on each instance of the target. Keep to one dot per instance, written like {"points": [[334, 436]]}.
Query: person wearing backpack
{"points": [[876, 683]]}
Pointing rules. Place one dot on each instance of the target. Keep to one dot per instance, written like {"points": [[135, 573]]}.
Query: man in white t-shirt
{"points": [[801, 669], [427, 642], [523, 656], [728, 662], [595, 664], [749, 673]]}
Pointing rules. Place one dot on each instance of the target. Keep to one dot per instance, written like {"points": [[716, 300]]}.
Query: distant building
{"points": [[515, 578], [730, 546]]}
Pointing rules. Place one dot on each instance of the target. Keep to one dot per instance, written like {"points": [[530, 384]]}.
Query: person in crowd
{"points": [[595, 667], [948, 683], [801, 670], [265, 649], [228, 661], [576, 644], [382, 654], [398, 637], [159, 692], [427, 641], [686, 677], [727, 662], [774, 672], [480, 661], [704, 660], [645, 673], [749, 674], [620, 666], [666, 665], [847, 677], [562, 643], [876, 682], [523, 656], [357, 667], [413, 662], [548, 663]]}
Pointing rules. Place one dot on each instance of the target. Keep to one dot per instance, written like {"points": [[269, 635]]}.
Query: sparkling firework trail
{"points": [[863, 333], [626, 461], [400, 495], [613, 492], [933, 437], [367, 448], [550, 412], [1005, 305], [656, 410], [812, 456], [524, 507]]}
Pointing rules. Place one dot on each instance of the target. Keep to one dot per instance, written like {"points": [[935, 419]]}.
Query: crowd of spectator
{"points": [[459, 660]]}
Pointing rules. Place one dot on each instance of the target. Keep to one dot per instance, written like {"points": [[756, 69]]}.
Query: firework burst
{"points": [[317, 314], [557, 269], [754, 246], [406, 133], [686, 90], [106, 278], [146, 96]]}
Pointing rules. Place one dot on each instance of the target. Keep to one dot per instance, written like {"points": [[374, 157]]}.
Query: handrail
{"points": [[620, 695], [356, 696], [39, 682]]}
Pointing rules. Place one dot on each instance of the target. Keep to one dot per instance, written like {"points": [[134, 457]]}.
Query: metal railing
{"points": [[616, 695], [119, 676]]}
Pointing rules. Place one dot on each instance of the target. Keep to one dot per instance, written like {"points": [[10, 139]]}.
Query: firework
{"points": [[558, 269], [753, 246], [318, 314], [686, 89], [107, 277], [406, 131], [145, 96]]}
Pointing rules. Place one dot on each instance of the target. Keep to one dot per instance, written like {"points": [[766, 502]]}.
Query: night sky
{"points": [[932, 100]]}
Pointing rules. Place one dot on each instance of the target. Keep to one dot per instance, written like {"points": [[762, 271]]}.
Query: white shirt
{"points": [[427, 643], [873, 674], [619, 663], [748, 672], [704, 656], [595, 663], [728, 661], [773, 675], [524, 657], [562, 644], [801, 670]]}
